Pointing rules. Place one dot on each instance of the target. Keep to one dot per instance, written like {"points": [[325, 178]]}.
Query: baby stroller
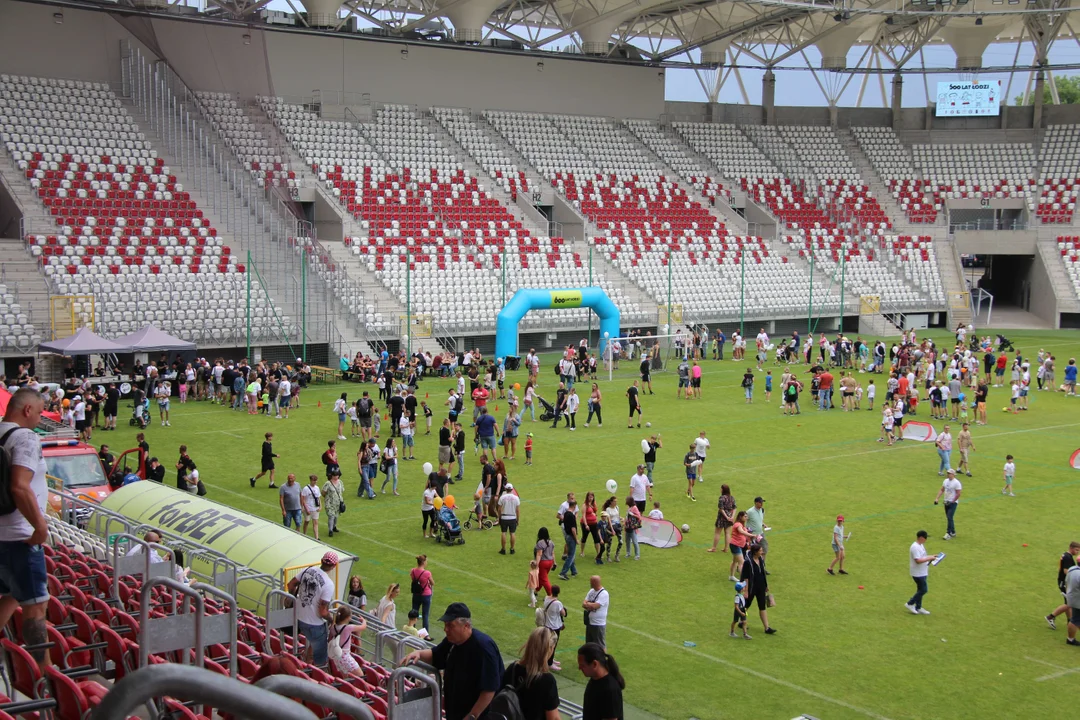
{"points": [[549, 410], [140, 413], [448, 529]]}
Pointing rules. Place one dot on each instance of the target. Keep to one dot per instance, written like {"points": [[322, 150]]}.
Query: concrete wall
{"points": [[1043, 299], [995, 242], [289, 62]]}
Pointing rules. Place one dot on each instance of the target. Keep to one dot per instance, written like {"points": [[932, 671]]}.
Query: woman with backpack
{"points": [[422, 582], [531, 679]]}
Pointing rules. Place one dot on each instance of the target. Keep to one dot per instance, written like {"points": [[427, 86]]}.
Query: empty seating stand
{"points": [[118, 212]]}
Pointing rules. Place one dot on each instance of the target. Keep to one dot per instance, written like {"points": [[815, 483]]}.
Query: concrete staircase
{"points": [[1064, 290], [22, 276], [20, 271], [952, 279]]}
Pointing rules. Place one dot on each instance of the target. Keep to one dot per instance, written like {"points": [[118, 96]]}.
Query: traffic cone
{"points": [[425, 396], [496, 408], [320, 403]]}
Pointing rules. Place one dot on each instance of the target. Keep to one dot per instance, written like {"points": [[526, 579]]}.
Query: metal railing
{"points": [[990, 224]]}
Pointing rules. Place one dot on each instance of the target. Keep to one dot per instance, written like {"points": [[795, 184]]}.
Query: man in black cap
{"points": [[471, 664]]}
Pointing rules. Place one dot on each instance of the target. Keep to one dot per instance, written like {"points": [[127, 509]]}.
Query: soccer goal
{"points": [[626, 353]]}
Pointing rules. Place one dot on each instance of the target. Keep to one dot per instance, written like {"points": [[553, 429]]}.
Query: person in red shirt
{"points": [[999, 370], [825, 383], [480, 398], [902, 386]]}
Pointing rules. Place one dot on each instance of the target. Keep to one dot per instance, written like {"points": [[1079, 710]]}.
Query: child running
{"points": [[1009, 471]]}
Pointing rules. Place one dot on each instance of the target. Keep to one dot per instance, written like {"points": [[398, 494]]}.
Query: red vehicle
{"points": [[76, 468]]}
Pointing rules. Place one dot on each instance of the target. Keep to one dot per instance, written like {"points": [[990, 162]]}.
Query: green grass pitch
{"points": [[841, 651]]}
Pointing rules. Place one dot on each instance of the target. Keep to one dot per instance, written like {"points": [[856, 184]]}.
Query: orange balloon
{"points": [[448, 501]]}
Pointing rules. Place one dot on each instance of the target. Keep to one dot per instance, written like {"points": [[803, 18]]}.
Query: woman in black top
{"points": [[603, 694], [532, 678], [459, 450], [753, 573]]}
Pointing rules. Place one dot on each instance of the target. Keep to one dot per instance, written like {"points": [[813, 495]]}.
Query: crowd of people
{"points": [[912, 370]]}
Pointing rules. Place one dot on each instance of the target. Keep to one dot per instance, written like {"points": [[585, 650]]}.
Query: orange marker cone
{"points": [[425, 396], [496, 408], [320, 403]]}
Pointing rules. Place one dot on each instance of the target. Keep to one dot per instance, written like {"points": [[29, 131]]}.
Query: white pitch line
{"points": [[738, 666]]}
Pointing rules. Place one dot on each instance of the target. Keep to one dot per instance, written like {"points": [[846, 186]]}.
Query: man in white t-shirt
{"points": [[701, 446], [23, 577], [509, 515], [284, 397], [596, 604], [310, 503], [919, 561], [640, 487], [951, 489], [314, 591]]}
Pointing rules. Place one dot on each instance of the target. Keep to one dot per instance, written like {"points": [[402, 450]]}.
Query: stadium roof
{"points": [[697, 33]]}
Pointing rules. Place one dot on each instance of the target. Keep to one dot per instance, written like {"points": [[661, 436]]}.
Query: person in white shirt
{"points": [[284, 398], [951, 489], [656, 513], [572, 403], [640, 487], [701, 446], [1008, 471], [314, 591], [310, 502], [919, 565], [838, 546], [596, 604], [509, 515], [23, 576], [407, 428]]}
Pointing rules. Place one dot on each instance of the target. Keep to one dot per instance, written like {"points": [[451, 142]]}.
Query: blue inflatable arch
{"points": [[506, 328]]}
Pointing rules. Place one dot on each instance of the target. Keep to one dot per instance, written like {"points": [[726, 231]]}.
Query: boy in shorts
{"points": [[739, 617], [691, 471], [528, 448], [1008, 472]]}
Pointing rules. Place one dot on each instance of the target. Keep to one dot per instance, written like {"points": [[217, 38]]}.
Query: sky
{"points": [[797, 87]]}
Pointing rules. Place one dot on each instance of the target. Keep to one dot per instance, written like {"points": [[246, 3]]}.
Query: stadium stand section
{"points": [[124, 231], [803, 176], [1069, 247], [245, 140], [431, 228], [641, 217], [892, 161], [669, 150], [1059, 162]]}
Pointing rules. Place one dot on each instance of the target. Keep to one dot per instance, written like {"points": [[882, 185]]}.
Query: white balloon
{"points": [[404, 338], [644, 445], [607, 334], [427, 468], [665, 328], [612, 486]]}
